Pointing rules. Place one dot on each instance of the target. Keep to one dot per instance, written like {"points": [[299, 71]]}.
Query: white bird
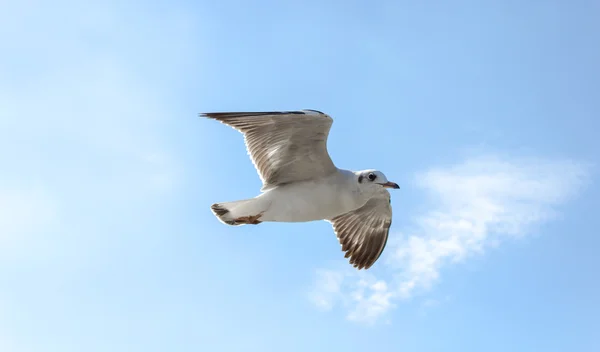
{"points": [[301, 183]]}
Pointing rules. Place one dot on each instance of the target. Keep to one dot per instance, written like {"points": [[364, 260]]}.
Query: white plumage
{"points": [[301, 183]]}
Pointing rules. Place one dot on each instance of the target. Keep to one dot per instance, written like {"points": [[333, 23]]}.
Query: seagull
{"points": [[300, 183]]}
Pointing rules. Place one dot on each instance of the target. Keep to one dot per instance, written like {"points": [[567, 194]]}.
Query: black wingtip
{"points": [[210, 114], [217, 115], [317, 111]]}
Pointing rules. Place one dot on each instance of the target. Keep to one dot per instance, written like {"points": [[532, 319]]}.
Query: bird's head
{"points": [[374, 179]]}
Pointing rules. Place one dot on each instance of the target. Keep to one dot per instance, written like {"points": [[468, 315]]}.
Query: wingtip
{"points": [[360, 266], [216, 115], [315, 111]]}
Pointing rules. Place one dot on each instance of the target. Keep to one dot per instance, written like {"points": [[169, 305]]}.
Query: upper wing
{"points": [[285, 146], [363, 232]]}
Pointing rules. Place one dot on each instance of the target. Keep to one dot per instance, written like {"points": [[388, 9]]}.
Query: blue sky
{"points": [[484, 113]]}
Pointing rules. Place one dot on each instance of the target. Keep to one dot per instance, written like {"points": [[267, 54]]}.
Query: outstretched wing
{"points": [[363, 232], [284, 146]]}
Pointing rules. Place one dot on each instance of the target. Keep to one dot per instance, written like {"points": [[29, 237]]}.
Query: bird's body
{"points": [[301, 183], [311, 200]]}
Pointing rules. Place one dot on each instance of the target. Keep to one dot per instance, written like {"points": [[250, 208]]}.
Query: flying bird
{"points": [[301, 183]]}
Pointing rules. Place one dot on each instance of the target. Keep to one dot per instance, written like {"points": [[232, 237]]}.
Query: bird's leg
{"points": [[250, 220], [254, 219]]}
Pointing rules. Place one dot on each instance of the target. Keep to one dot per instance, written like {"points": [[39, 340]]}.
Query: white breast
{"points": [[312, 200]]}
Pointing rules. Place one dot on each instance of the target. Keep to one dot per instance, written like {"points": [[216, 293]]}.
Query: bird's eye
{"points": [[372, 177]]}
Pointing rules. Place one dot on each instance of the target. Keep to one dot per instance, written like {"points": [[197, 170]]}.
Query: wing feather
{"points": [[363, 232], [284, 146]]}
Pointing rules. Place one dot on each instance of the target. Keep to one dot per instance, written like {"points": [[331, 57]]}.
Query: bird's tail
{"points": [[239, 212]]}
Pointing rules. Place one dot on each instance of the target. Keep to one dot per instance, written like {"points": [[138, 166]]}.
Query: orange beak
{"points": [[390, 185]]}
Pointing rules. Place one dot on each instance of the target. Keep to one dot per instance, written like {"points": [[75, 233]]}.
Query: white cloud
{"points": [[474, 205], [329, 286], [372, 298]]}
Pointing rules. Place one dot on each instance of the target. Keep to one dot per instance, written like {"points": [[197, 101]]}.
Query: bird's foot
{"points": [[250, 220]]}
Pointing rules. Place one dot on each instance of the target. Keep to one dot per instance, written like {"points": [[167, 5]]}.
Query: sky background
{"points": [[485, 113]]}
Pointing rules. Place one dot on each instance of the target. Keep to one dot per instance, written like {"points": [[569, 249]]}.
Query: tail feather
{"points": [[238, 212], [221, 213]]}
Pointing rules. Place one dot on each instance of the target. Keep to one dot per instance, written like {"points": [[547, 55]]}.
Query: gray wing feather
{"points": [[284, 146], [363, 232]]}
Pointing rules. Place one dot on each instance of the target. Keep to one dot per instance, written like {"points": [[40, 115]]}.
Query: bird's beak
{"points": [[390, 185]]}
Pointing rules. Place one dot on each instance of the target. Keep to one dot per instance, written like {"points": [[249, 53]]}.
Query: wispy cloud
{"points": [[474, 205]]}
